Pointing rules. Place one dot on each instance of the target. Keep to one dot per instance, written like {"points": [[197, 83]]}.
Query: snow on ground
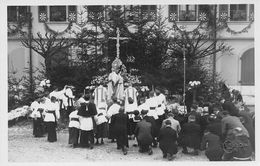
{"points": [[23, 147]]}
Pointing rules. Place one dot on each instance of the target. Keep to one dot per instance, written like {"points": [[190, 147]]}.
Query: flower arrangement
{"points": [[133, 79], [99, 80], [18, 112], [90, 87], [144, 88], [193, 84], [45, 83]]}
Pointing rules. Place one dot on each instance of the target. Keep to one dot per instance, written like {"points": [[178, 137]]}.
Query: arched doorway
{"points": [[248, 67]]}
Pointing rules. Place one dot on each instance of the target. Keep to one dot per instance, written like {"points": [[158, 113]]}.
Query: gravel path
{"points": [[23, 147]]}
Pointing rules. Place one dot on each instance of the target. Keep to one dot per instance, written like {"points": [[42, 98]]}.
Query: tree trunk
{"points": [[48, 66]]}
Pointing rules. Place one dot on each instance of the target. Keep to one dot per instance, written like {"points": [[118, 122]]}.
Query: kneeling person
{"points": [[167, 141]]}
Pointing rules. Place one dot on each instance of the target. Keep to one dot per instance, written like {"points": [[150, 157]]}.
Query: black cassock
{"points": [[190, 135], [87, 110], [119, 122]]}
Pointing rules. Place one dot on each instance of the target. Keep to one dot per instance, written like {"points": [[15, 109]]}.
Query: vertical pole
{"points": [[214, 55], [184, 76], [29, 17]]}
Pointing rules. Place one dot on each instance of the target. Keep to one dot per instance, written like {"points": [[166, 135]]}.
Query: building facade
{"points": [[237, 70]]}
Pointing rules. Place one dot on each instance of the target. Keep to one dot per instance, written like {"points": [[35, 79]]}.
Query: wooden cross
{"points": [[118, 38]]}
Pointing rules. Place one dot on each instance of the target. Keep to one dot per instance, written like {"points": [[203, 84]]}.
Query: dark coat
{"points": [[197, 116], [143, 133], [190, 135], [212, 144], [87, 110], [215, 128], [119, 122], [155, 128], [167, 140]]}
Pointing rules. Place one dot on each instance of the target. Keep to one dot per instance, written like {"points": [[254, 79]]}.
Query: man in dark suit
{"points": [[190, 136], [144, 136], [151, 120], [167, 140], [119, 121]]}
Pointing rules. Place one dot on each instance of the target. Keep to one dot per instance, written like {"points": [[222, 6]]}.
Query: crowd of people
{"points": [[225, 133]]}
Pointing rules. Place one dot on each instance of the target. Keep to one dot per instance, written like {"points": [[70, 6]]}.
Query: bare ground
{"points": [[23, 147]]}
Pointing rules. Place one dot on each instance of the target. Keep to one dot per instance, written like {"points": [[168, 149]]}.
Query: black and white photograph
{"points": [[149, 81]]}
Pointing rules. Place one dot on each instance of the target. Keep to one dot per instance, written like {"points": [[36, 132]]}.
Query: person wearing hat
{"points": [[119, 123], [190, 136], [167, 140], [143, 133]]}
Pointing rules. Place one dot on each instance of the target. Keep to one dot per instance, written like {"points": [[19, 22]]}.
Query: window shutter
{"points": [[173, 13], [223, 12], [72, 13], [43, 17]]}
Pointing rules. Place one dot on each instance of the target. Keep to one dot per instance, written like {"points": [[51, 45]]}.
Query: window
{"points": [[14, 13], [238, 12], [149, 12], [182, 13], [187, 12], [95, 13], [57, 13]]}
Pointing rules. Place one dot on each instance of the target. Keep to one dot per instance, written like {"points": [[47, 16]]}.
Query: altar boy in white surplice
{"points": [[100, 95]]}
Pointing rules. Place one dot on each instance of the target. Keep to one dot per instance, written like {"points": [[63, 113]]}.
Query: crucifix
{"points": [[118, 38]]}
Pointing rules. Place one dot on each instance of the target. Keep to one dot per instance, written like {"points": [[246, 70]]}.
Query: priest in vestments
{"points": [[111, 86], [119, 93]]}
